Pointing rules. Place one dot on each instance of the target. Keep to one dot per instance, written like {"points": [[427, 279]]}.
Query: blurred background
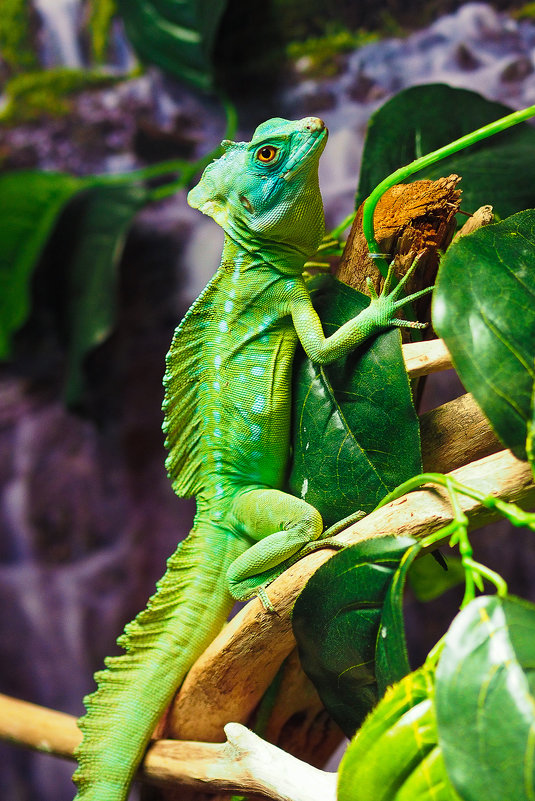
{"points": [[108, 111]]}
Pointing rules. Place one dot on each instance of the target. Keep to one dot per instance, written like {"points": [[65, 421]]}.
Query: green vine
{"points": [[457, 529]]}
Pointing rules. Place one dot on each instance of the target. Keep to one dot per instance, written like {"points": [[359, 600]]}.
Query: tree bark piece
{"points": [[410, 219], [482, 216]]}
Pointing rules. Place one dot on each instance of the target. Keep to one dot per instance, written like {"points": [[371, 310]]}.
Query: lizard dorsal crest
{"points": [[182, 422]]}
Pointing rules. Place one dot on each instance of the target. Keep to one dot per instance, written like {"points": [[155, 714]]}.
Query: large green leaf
{"points": [[485, 703], [336, 622], [103, 215], [395, 755], [484, 308], [391, 658], [355, 430], [30, 204], [176, 35], [530, 441], [499, 170]]}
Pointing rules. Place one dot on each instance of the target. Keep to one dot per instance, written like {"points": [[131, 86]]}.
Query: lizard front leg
{"points": [[281, 526], [376, 317]]}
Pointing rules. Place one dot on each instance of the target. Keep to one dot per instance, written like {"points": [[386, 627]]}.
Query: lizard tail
{"points": [[187, 611]]}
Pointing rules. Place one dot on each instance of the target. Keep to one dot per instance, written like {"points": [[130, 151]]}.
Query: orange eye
{"points": [[267, 154]]}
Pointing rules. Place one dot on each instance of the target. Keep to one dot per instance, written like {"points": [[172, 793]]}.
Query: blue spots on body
{"points": [[259, 404], [223, 326], [257, 370]]}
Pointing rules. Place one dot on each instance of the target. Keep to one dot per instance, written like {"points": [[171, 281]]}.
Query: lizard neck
{"points": [[246, 254]]}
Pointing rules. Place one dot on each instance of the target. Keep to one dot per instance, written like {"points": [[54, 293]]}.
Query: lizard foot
{"points": [[389, 301]]}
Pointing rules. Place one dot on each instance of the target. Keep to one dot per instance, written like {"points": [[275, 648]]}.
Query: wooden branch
{"points": [[429, 356], [243, 764], [410, 219], [39, 728], [255, 642], [455, 434]]}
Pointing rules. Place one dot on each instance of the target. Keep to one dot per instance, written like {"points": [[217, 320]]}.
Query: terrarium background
{"points": [[87, 515]]}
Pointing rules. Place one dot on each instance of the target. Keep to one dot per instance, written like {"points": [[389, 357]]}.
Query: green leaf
{"points": [[103, 215], [395, 755], [484, 309], [30, 204], [485, 706], [530, 441], [336, 621], [499, 170], [391, 658], [428, 580], [90, 217], [176, 35], [355, 430]]}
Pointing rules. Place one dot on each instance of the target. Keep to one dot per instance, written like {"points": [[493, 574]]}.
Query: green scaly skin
{"points": [[227, 419]]}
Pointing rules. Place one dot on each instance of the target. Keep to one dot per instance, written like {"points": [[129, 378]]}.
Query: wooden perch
{"points": [[409, 220], [243, 764]]}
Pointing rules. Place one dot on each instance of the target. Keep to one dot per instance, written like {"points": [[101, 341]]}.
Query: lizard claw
{"points": [[264, 599], [371, 288]]}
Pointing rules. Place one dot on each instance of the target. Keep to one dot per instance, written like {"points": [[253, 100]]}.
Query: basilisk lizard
{"points": [[227, 417]]}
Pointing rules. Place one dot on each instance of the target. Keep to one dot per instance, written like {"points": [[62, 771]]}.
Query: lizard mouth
{"points": [[314, 143]]}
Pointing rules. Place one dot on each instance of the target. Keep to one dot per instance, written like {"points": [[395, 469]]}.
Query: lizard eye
{"points": [[267, 153]]}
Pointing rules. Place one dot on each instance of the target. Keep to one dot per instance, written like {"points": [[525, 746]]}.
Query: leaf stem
{"points": [[425, 161]]}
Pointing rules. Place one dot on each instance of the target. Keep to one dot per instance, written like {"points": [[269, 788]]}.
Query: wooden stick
{"points": [[455, 434], [244, 764], [37, 727], [429, 356]]}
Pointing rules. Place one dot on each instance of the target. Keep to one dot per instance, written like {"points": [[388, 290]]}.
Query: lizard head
{"points": [[265, 192]]}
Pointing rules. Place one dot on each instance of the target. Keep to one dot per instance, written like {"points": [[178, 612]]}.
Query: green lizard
{"points": [[227, 417]]}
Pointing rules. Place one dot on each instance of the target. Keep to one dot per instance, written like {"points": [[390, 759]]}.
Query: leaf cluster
{"points": [[437, 733]]}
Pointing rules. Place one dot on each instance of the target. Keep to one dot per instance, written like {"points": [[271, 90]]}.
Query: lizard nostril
{"points": [[314, 124]]}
